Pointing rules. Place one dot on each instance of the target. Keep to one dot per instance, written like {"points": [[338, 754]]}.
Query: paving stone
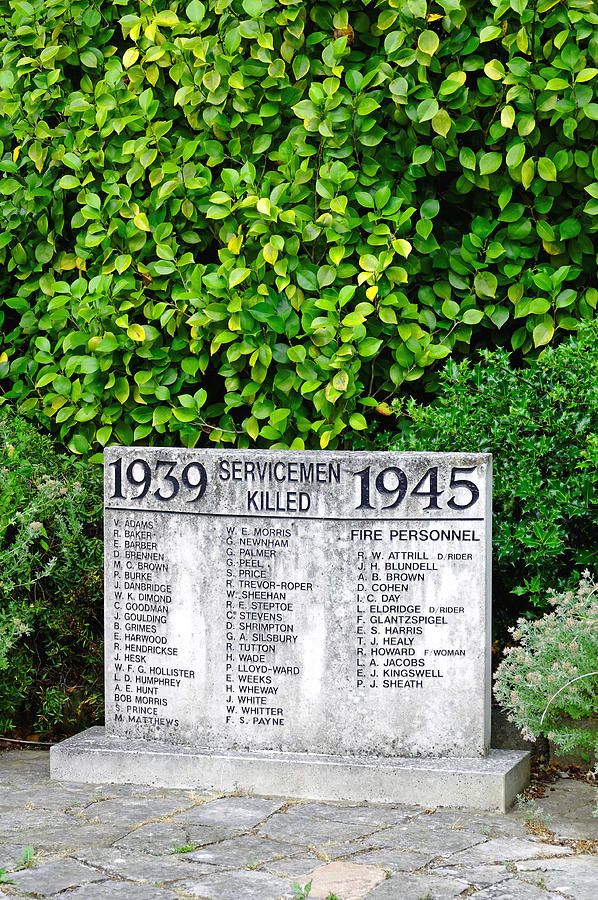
{"points": [[515, 889], [16, 764], [117, 890], [73, 836], [394, 860], [241, 851], [55, 797], [231, 812], [345, 879], [434, 841], [477, 875], [482, 823], [504, 849], [576, 876], [310, 831], [238, 885], [568, 810], [164, 837], [293, 867], [11, 856], [141, 866], [350, 849], [55, 876], [376, 815], [21, 821], [129, 812], [417, 887]]}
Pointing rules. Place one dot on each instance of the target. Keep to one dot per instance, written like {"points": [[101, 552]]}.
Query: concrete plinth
{"points": [[489, 783]]}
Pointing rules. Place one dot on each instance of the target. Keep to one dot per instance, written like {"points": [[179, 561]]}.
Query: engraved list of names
{"points": [[320, 602]]}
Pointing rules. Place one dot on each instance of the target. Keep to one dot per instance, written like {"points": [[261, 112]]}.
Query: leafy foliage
{"points": [[251, 220], [50, 584], [541, 425]]}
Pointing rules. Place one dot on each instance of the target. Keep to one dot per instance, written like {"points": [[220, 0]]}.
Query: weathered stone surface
{"points": [[294, 867], [495, 779], [242, 851], [429, 869], [165, 837], [370, 814], [230, 812], [11, 856], [117, 890], [505, 849], [71, 836], [323, 560], [568, 811], [413, 836], [345, 879], [515, 888], [475, 875], [486, 824], [235, 884], [394, 860], [128, 812], [576, 876], [23, 820], [418, 887], [307, 830], [66, 798], [140, 866], [53, 877]]}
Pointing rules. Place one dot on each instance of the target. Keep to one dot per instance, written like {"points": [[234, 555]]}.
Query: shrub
{"points": [[549, 681], [250, 220], [50, 584], [541, 425]]}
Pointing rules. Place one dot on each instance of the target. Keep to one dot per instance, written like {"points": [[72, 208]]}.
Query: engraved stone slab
{"points": [[309, 602]]}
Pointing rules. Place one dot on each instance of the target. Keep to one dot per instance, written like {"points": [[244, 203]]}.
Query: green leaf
{"points": [[441, 122], [426, 110], [546, 170], [237, 276], [543, 334], [489, 33], [473, 316], [490, 162], [467, 158], [485, 284], [428, 42], [357, 421]]}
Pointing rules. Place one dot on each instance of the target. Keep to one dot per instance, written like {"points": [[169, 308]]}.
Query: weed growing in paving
{"points": [[184, 848], [26, 858]]}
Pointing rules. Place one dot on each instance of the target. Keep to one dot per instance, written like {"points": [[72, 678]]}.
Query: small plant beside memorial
{"points": [[548, 681]]}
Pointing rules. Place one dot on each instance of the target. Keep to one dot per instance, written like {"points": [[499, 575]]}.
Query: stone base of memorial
{"points": [[490, 783], [301, 624]]}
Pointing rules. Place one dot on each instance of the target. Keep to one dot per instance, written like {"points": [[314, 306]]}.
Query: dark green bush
{"points": [[251, 220], [50, 584], [541, 425]]}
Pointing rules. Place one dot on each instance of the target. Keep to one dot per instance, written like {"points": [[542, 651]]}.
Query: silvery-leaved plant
{"points": [[548, 681]]}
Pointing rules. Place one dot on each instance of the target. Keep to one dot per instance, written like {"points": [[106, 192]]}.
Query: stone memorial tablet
{"points": [[315, 604]]}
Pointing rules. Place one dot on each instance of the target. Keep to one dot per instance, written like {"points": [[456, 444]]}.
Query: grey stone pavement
{"points": [[112, 841]]}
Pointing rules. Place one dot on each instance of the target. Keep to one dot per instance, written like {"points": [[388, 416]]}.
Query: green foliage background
{"points": [[51, 553], [252, 220]]}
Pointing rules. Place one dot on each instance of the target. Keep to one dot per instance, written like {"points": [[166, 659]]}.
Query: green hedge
{"points": [[255, 221]]}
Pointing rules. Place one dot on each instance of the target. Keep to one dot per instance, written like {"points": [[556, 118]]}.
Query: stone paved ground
{"points": [[111, 842]]}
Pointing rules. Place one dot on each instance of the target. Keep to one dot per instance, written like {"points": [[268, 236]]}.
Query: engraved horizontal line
{"points": [[264, 515]]}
